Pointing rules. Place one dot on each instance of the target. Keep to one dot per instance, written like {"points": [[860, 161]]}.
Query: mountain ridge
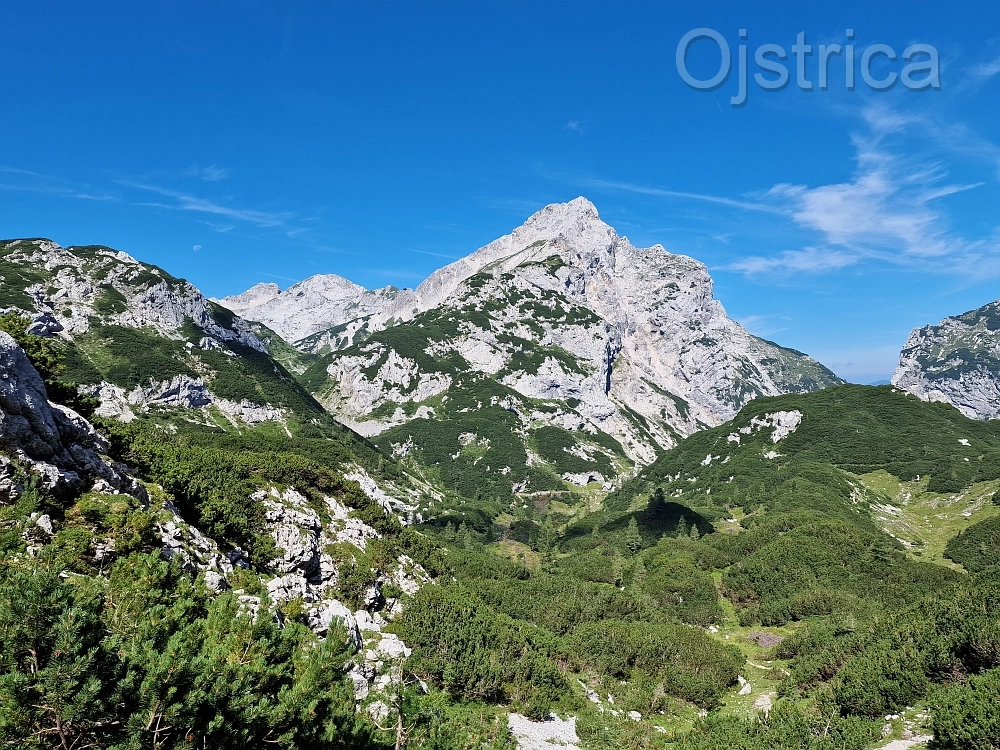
{"points": [[564, 321]]}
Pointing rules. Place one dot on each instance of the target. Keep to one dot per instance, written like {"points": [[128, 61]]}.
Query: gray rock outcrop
{"points": [[61, 447], [956, 361]]}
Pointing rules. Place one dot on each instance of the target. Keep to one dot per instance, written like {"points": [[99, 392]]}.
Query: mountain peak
{"points": [[255, 295], [576, 220], [956, 361], [579, 208], [328, 285]]}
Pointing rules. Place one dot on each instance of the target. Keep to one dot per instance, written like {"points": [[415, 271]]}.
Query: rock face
{"points": [[56, 442], [552, 734], [562, 323], [956, 361]]}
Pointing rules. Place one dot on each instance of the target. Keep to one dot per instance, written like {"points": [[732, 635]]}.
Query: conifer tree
{"points": [[638, 576], [618, 571], [633, 539], [657, 502], [682, 528]]}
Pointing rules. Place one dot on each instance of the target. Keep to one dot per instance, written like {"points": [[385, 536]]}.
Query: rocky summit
{"points": [[596, 354], [956, 361]]}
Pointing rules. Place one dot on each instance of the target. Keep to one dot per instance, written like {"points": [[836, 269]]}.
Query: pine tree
{"points": [[618, 571], [695, 534], [638, 576], [682, 528], [533, 533], [658, 502], [546, 538], [633, 539]]}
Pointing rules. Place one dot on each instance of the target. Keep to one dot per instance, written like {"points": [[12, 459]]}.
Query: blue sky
{"points": [[237, 142]]}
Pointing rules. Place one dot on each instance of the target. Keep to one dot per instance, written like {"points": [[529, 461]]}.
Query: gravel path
{"points": [[907, 744]]}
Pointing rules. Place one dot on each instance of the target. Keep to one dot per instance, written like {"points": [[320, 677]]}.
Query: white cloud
{"points": [[809, 260], [986, 70], [890, 210], [188, 202], [647, 190], [212, 173], [26, 181], [762, 325]]}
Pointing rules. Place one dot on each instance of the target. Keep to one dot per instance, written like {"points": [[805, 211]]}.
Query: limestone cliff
{"points": [[957, 361]]}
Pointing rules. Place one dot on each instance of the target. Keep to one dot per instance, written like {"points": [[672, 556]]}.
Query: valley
{"points": [[554, 480]]}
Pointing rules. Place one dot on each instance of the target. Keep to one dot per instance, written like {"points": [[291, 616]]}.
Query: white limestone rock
{"points": [[84, 286], [295, 528], [312, 306], [60, 446], [552, 734], [328, 612], [956, 361]]}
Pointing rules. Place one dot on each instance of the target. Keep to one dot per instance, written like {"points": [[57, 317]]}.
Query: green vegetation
{"points": [[292, 359], [978, 547], [679, 661], [132, 356], [562, 449], [757, 536], [15, 276], [476, 654], [822, 567], [143, 658], [966, 717], [213, 479], [254, 376]]}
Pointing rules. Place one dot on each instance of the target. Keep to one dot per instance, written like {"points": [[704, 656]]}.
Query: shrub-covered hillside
{"points": [[143, 339], [767, 528]]}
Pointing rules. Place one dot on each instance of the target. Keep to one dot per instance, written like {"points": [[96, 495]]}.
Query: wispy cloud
{"points": [[276, 276], [663, 193], [575, 125], [987, 69], [763, 325], [26, 181], [809, 260], [890, 210], [433, 254], [188, 202], [212, 173]]}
